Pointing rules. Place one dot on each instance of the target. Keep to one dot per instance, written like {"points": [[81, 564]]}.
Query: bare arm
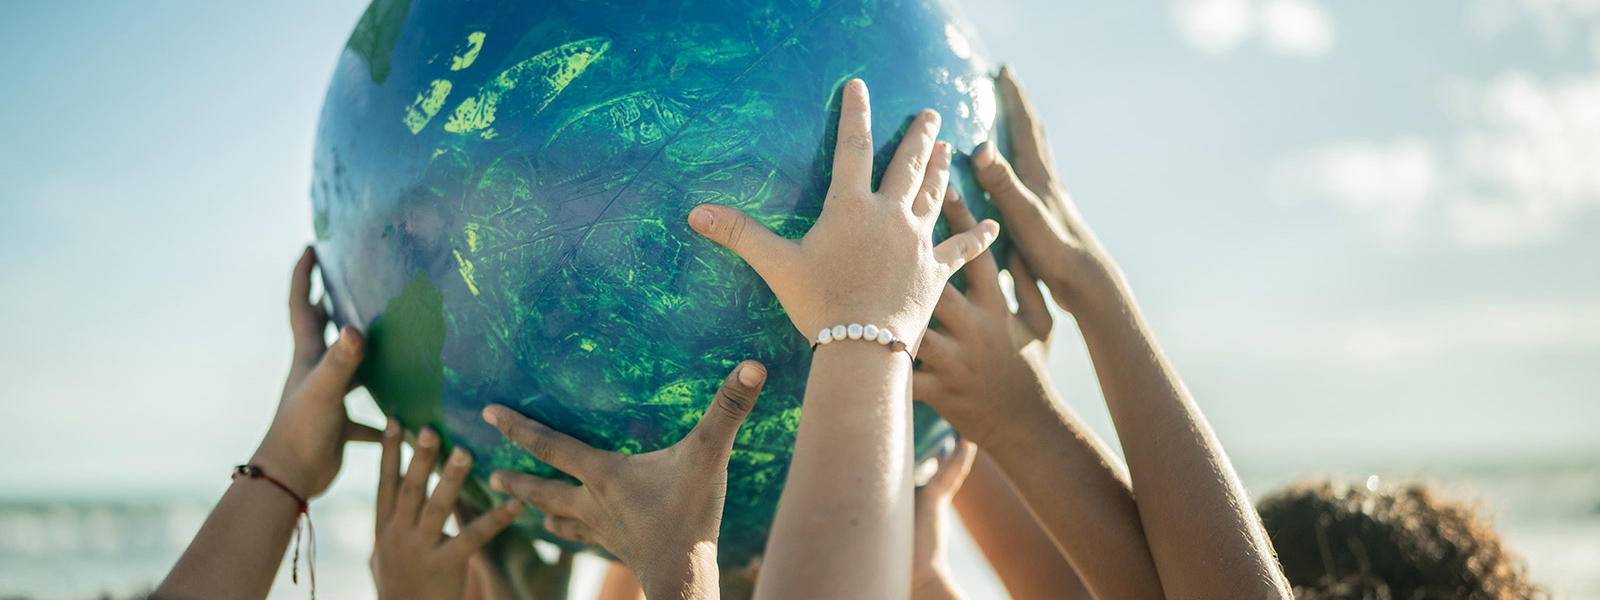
{"points": [[855, 432], [1206, 539], [984, 370], [238, 550], [843, 528], [1020, 552]]}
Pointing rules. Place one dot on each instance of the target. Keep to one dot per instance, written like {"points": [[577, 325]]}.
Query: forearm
{"points": [[1020, 552], [237, 552], [1082, 500], [854, 434], [1206, 539]]}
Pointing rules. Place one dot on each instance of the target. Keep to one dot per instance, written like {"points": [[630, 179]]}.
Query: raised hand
{"points": [[657, 512], [412, 558], [239, 548], [304, 447], [983, 361], [1044, 224], [870, 258], [930, 568]]}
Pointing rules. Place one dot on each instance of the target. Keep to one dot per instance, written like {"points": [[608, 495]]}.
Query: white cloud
{"points": [[1292, 27], [1390, 181], [1557, 20], [1213, 26], [1524, 161], [1297, 27]]}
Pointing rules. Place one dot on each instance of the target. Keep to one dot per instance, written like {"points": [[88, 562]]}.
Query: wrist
{"points": [[692, 575], [277, 465]]}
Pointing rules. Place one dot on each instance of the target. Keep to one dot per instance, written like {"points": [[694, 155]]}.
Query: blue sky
{"points": [[1362, 230]]}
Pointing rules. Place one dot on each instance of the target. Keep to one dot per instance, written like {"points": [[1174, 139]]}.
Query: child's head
{"points": [[1342, 541]]}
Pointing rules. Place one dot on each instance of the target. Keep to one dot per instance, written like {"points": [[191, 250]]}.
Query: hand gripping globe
{"points": [[500, 197]]}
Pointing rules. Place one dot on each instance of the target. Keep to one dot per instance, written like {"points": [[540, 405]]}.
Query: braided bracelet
{"points": [[304, 515], [857, 331]]}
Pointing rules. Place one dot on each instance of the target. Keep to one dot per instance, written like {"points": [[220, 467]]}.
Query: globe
{"points": [[500, 196]]}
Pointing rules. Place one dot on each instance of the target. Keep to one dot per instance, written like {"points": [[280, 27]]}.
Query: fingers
{"points": [[1031, 307], [736, 231], [549, 496], [925, 385], [1034, 163], [983, 275], [733, 402], [935, 183], [330, 380], [953, 311], [306, 320], [474, 535], [905, 173], [852, 155], [571, 530], [1026, 214], [937, 349], [959, 249], [414, 486], [551, 447], [357, 432], [443, 498], [953, 469], [388, 472]]}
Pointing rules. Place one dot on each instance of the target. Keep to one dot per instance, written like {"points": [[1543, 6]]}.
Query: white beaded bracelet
{"points": [[857, 331]]}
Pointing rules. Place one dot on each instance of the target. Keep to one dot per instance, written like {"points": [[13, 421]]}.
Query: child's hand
{"points": [[411, 556], [982, 356], [869, 258], [930, 569], [657, 512], [305, 445]]}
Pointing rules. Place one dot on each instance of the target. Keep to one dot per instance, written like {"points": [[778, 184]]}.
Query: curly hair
{"points": [[1338, 541]]}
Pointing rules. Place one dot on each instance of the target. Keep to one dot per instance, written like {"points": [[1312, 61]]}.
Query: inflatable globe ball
{"points": [[500, 198]]}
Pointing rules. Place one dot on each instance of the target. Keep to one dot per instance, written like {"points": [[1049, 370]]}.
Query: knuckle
{"points": [[858, 142]]}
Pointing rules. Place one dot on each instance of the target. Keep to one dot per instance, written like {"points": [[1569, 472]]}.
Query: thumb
{"points": [[331, 377], [960, 248], [736, 231], [733, 402]]}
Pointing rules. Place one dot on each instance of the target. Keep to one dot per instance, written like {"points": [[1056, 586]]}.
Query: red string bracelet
{"points": [[255, 472]]}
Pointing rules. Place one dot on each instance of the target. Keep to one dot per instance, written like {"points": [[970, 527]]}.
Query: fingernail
{"points": [[701, 219], [856, 85], [985, 154], [497, 482], [392, 429], [750, 375], [491, 415], [428, 438], [512, 506], [932, 116], [459, 457], [990, 230]]}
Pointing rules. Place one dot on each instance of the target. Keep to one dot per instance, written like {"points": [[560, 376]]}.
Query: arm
{"points": [[984, 369], [238, 550], [1020, 552], [657, 512], [1205, 538], [843, 527]]}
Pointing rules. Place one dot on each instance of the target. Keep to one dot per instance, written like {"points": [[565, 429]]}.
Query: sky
{"points": [[1362, 230]]}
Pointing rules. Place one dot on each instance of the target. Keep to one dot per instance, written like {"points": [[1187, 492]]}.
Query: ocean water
{"points": [[89, 548]]}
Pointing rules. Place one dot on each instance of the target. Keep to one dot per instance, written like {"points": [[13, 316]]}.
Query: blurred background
{"points": [[1367, 232]]}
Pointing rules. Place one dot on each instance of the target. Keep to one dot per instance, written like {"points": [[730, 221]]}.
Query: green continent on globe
{"points": [[500, 196]]}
